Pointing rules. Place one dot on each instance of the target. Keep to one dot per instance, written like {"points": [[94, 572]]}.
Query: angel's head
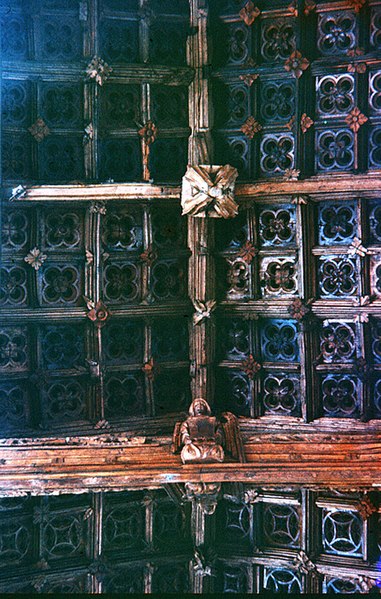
{"points": [[199, 407]]}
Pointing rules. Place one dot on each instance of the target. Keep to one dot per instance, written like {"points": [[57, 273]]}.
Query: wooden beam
{"points": [[315, 186], [97, 193], [329, 184], [319, 459]]}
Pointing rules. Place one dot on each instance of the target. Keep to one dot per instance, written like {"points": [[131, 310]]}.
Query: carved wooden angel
{"points": [[202, 438], [209, 191]]}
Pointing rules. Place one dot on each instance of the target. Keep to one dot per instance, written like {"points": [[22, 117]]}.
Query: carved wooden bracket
{"points": [[366, 507], [203, 310], [251, 496], [366, 583], [209, 191], [202, 438], [204, 494], [305, 565], [203, 561]]}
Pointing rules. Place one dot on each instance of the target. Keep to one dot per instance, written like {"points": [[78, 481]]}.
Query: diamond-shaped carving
{"points": [[356, 119], [305, 122], [296, 64], [99, 70], [251, 127], [249, 13], [39, 130]]}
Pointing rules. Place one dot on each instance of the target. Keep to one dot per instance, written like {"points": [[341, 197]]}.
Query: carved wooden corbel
{"points": [[366, 507], [366, 584], [305, 565], [209, 191], [203, 561], [204, 439], [300, 200], [98, 208], [204, 494], [203, 310], [251, 496]]}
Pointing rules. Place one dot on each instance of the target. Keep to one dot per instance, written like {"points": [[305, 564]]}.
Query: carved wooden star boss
{"points": [[209, 191]]}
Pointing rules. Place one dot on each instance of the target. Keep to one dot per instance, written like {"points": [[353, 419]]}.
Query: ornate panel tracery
{"points": [[342, 533], [282, 580], [124, 354], [256, 542], [337, 32], [92, 365], [249, 350], [59, 127], [321, 55]]}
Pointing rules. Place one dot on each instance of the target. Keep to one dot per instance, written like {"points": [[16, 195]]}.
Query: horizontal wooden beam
{"points": [[323, 459], [133, 73], [314, 186], [97, 192], [327, 184]]}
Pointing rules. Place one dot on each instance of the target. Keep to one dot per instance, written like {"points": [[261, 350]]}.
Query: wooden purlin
{"points": [[366, 185], [320, 459]]}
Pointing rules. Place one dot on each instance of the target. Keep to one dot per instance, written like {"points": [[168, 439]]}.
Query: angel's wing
{"points": [[176, 439], [233, 439]]}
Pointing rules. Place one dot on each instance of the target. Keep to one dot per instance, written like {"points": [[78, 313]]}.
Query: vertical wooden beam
{"points": [[146, 299], [145, 117], [199, 106], [144, 27], [304, 239], [91, 97], [198, 536], [97, 517], [92, 292], [149, 568], [256, 383], [202, 289], [309, 538], [98, 212]]}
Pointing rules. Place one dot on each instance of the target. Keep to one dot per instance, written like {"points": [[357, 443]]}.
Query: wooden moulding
{"points": [[79, 464], [314, 186], [99, 192]]}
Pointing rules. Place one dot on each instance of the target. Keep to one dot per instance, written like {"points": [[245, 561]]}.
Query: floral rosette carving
{"points": [[98, 313]]}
